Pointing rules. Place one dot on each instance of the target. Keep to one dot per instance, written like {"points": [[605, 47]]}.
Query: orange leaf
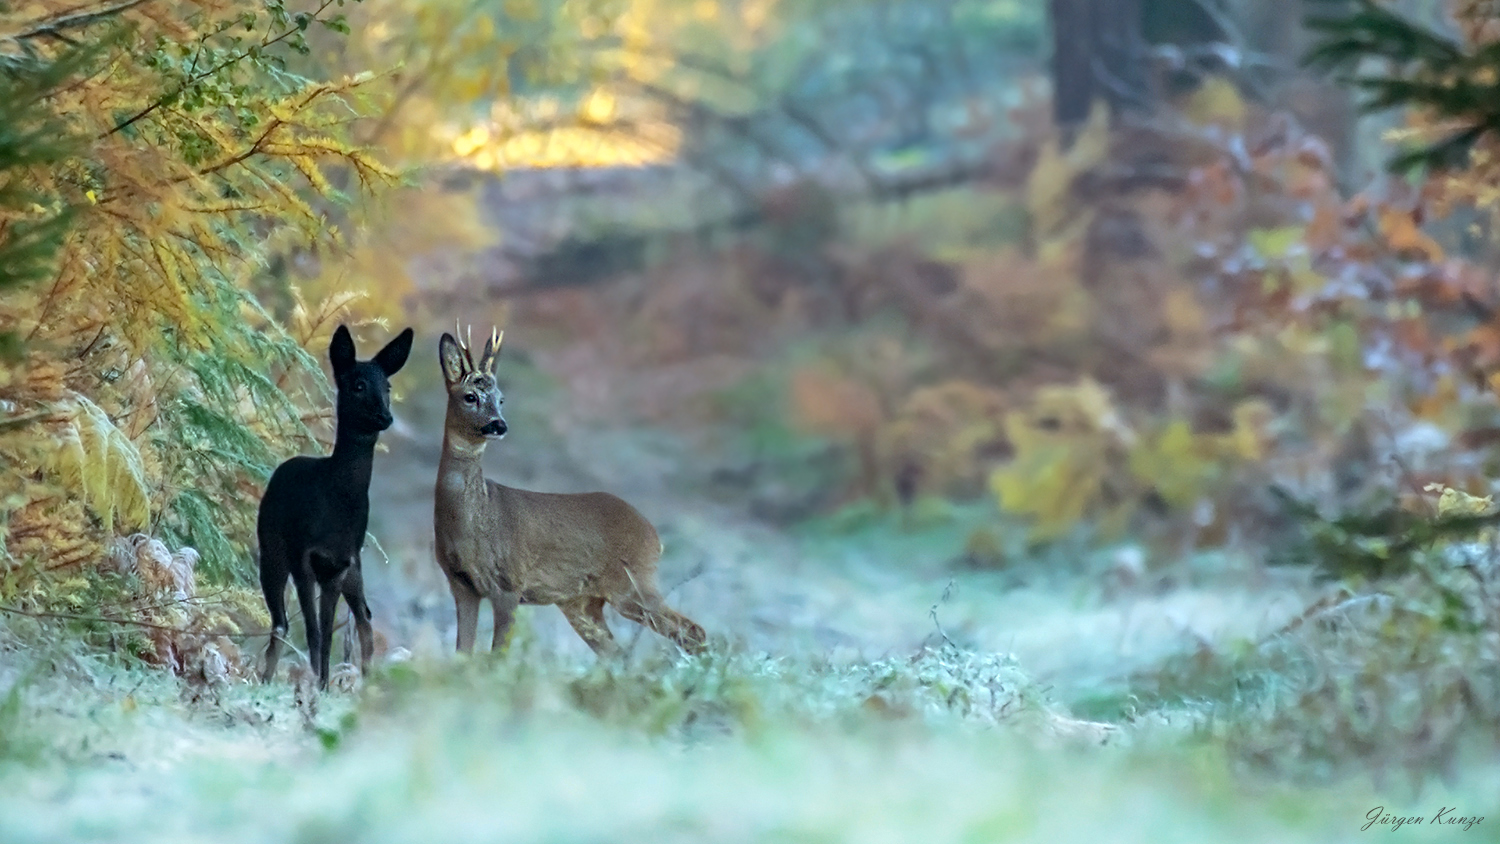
{"points": [[1484, 341], [1439, 402], [1399, 228], [1326, 228], [1413, 334]]}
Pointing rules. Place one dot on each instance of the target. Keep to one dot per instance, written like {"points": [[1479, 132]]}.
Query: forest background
{"points": [[1123, 371]]}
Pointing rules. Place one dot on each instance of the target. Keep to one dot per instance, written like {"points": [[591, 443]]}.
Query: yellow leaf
{"points": [[1051, 181], [1175, 464], [1063, 445], [1274, 244], [598, 107], [1217, 102], [1454, 502]]}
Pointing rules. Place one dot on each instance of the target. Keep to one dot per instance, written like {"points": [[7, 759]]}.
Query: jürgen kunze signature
{"points": [[1446, 816]]}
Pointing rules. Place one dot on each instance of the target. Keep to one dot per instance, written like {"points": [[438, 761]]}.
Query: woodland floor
{"points": [[544, 747]]}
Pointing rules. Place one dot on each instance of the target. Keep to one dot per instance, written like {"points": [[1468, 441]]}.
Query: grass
{"points": [[950, 224], [947, 746]]}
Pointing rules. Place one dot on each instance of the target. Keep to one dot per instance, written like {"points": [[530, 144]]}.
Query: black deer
{"points": [[315, 511]]}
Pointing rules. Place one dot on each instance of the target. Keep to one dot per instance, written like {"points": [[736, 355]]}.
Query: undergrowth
{"points": [[1394, 672], [726, 747], [715, 694]]}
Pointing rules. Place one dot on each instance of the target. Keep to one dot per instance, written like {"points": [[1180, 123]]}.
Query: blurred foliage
{"points": [[1401, 675], [166, 146], [29, 136], [1136, 331], [1452, 78]]}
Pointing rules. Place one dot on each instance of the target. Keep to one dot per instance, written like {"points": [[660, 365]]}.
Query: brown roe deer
{"points": [[513, 546]]}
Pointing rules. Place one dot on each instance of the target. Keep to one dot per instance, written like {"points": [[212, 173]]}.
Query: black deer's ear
{"points": [[454, 362], [341, 352], [393, 356]]}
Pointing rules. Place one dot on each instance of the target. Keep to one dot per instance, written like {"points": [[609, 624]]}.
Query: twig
{"points": [[54, 28], [130, 622], [933, 613], [149, 625], [22, 421], [1408, 477], [640, 630], [376, 542], [1331, 605]]}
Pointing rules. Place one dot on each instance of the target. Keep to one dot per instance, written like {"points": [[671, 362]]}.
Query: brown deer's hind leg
{"points": [[587, 617], [650, 610]]}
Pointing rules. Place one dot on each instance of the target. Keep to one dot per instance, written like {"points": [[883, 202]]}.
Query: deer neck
{"points": [[353, 459], [461, 468]]}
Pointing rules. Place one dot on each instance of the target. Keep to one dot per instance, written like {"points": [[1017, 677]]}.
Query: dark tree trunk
{"points": [[1072, 60], [1098, 52]]}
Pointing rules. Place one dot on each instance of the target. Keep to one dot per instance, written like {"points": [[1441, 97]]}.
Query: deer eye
{"points": [[469, 397], [358, 386]]}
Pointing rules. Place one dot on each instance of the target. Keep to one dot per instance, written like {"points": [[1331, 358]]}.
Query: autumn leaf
{"points": [[1216, 102], [1401, 233], [1326, 228], [1455, 502]]}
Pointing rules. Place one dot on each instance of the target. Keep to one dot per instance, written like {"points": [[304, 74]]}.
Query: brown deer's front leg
{"points": [[504, 606], [466, 604]]}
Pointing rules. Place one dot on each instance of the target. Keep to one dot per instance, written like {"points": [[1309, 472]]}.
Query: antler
{"points": [[491, 350], [465, 339]]}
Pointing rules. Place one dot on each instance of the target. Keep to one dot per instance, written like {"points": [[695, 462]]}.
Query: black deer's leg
{"points": [[359, 613], [273, 577], [306, 598], [328, 604]]}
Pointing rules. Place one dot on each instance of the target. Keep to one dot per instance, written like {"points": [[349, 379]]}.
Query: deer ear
{"points": [[341, 352], [393, 356], [452, 358]]}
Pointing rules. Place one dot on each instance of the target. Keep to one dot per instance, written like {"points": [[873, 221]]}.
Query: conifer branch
{"points": [[1422, 67], [193, 80]]}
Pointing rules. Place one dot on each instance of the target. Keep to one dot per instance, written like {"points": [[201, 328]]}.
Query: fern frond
{"points": [[94, 460]]}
